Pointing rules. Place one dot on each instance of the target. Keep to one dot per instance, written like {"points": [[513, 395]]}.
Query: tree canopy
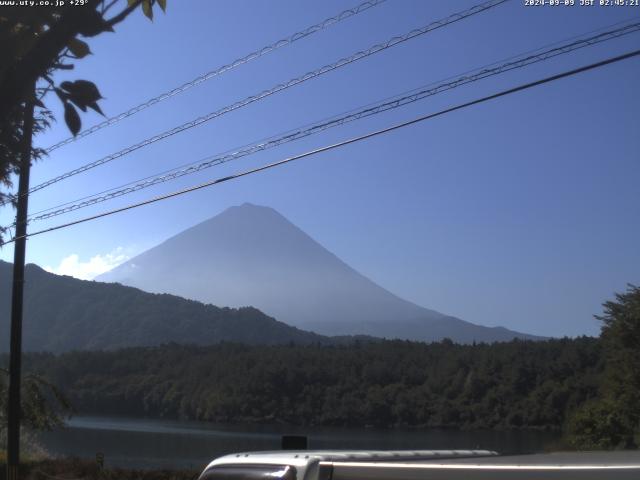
{"points": [[36, 43], [43, 405], [613, 419], [518, 384]]}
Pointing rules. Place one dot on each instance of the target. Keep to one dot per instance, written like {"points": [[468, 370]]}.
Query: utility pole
{"points": [[15, 356]]}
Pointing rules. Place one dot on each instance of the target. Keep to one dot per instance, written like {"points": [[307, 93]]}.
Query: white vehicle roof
{"points": [[428, 465], [306, 461]]}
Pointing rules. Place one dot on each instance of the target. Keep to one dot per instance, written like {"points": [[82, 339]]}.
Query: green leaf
{"points": [[61, 95], [72, 118], [78, 103], [131, 2], [87, 90], [79, 48], [82, 93], [163, 4], [94, 106], [146, 9], [83, 90]]}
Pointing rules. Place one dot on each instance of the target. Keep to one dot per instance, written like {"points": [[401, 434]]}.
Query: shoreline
{"points": [[148, 443], [257, 422]]}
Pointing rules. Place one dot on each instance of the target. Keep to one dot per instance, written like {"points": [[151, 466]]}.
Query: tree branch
{"points": [[106, 8], [14, 86], [124, 14]]}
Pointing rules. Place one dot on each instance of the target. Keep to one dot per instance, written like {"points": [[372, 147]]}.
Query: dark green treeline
{"points": [[391, 383]]}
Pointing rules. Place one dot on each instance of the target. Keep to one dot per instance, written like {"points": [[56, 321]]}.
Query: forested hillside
{"points": [[504, 385], [63, 313]]}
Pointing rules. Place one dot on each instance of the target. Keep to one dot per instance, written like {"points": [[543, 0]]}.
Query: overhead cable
{"points": [[339, 144], [520, 61], [220, 70], [278, 88]]}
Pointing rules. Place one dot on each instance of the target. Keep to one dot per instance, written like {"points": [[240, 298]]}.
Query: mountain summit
{"points": [[252, 255]]}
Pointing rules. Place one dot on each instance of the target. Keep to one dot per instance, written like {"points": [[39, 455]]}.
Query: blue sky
{"points": [[522, 212]]}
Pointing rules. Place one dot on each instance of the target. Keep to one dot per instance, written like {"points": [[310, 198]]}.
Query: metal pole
{"points": [[15, 356]]}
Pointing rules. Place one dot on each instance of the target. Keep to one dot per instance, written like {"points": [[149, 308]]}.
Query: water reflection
{"points": [[145, 443]]}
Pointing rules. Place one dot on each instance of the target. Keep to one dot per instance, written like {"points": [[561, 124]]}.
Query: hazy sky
{"points": [[523, 212]]}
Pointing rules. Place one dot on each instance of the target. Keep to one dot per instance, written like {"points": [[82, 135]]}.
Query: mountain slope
{"points": [[251, 255], [62, 313]]}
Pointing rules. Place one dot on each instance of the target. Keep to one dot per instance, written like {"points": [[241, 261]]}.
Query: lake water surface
{"points": [[143, 443]]}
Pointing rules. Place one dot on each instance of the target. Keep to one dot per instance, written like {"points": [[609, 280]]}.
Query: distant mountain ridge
{"points": [[252, 255], [62, 313]]}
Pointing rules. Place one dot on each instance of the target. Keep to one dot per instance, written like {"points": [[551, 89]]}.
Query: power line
{"points": [[343, 143], [301, 132], [278, 88], [308, 130], [223, 69]]}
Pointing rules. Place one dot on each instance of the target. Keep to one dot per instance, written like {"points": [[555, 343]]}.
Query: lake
{"points": [[144, 443]]}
